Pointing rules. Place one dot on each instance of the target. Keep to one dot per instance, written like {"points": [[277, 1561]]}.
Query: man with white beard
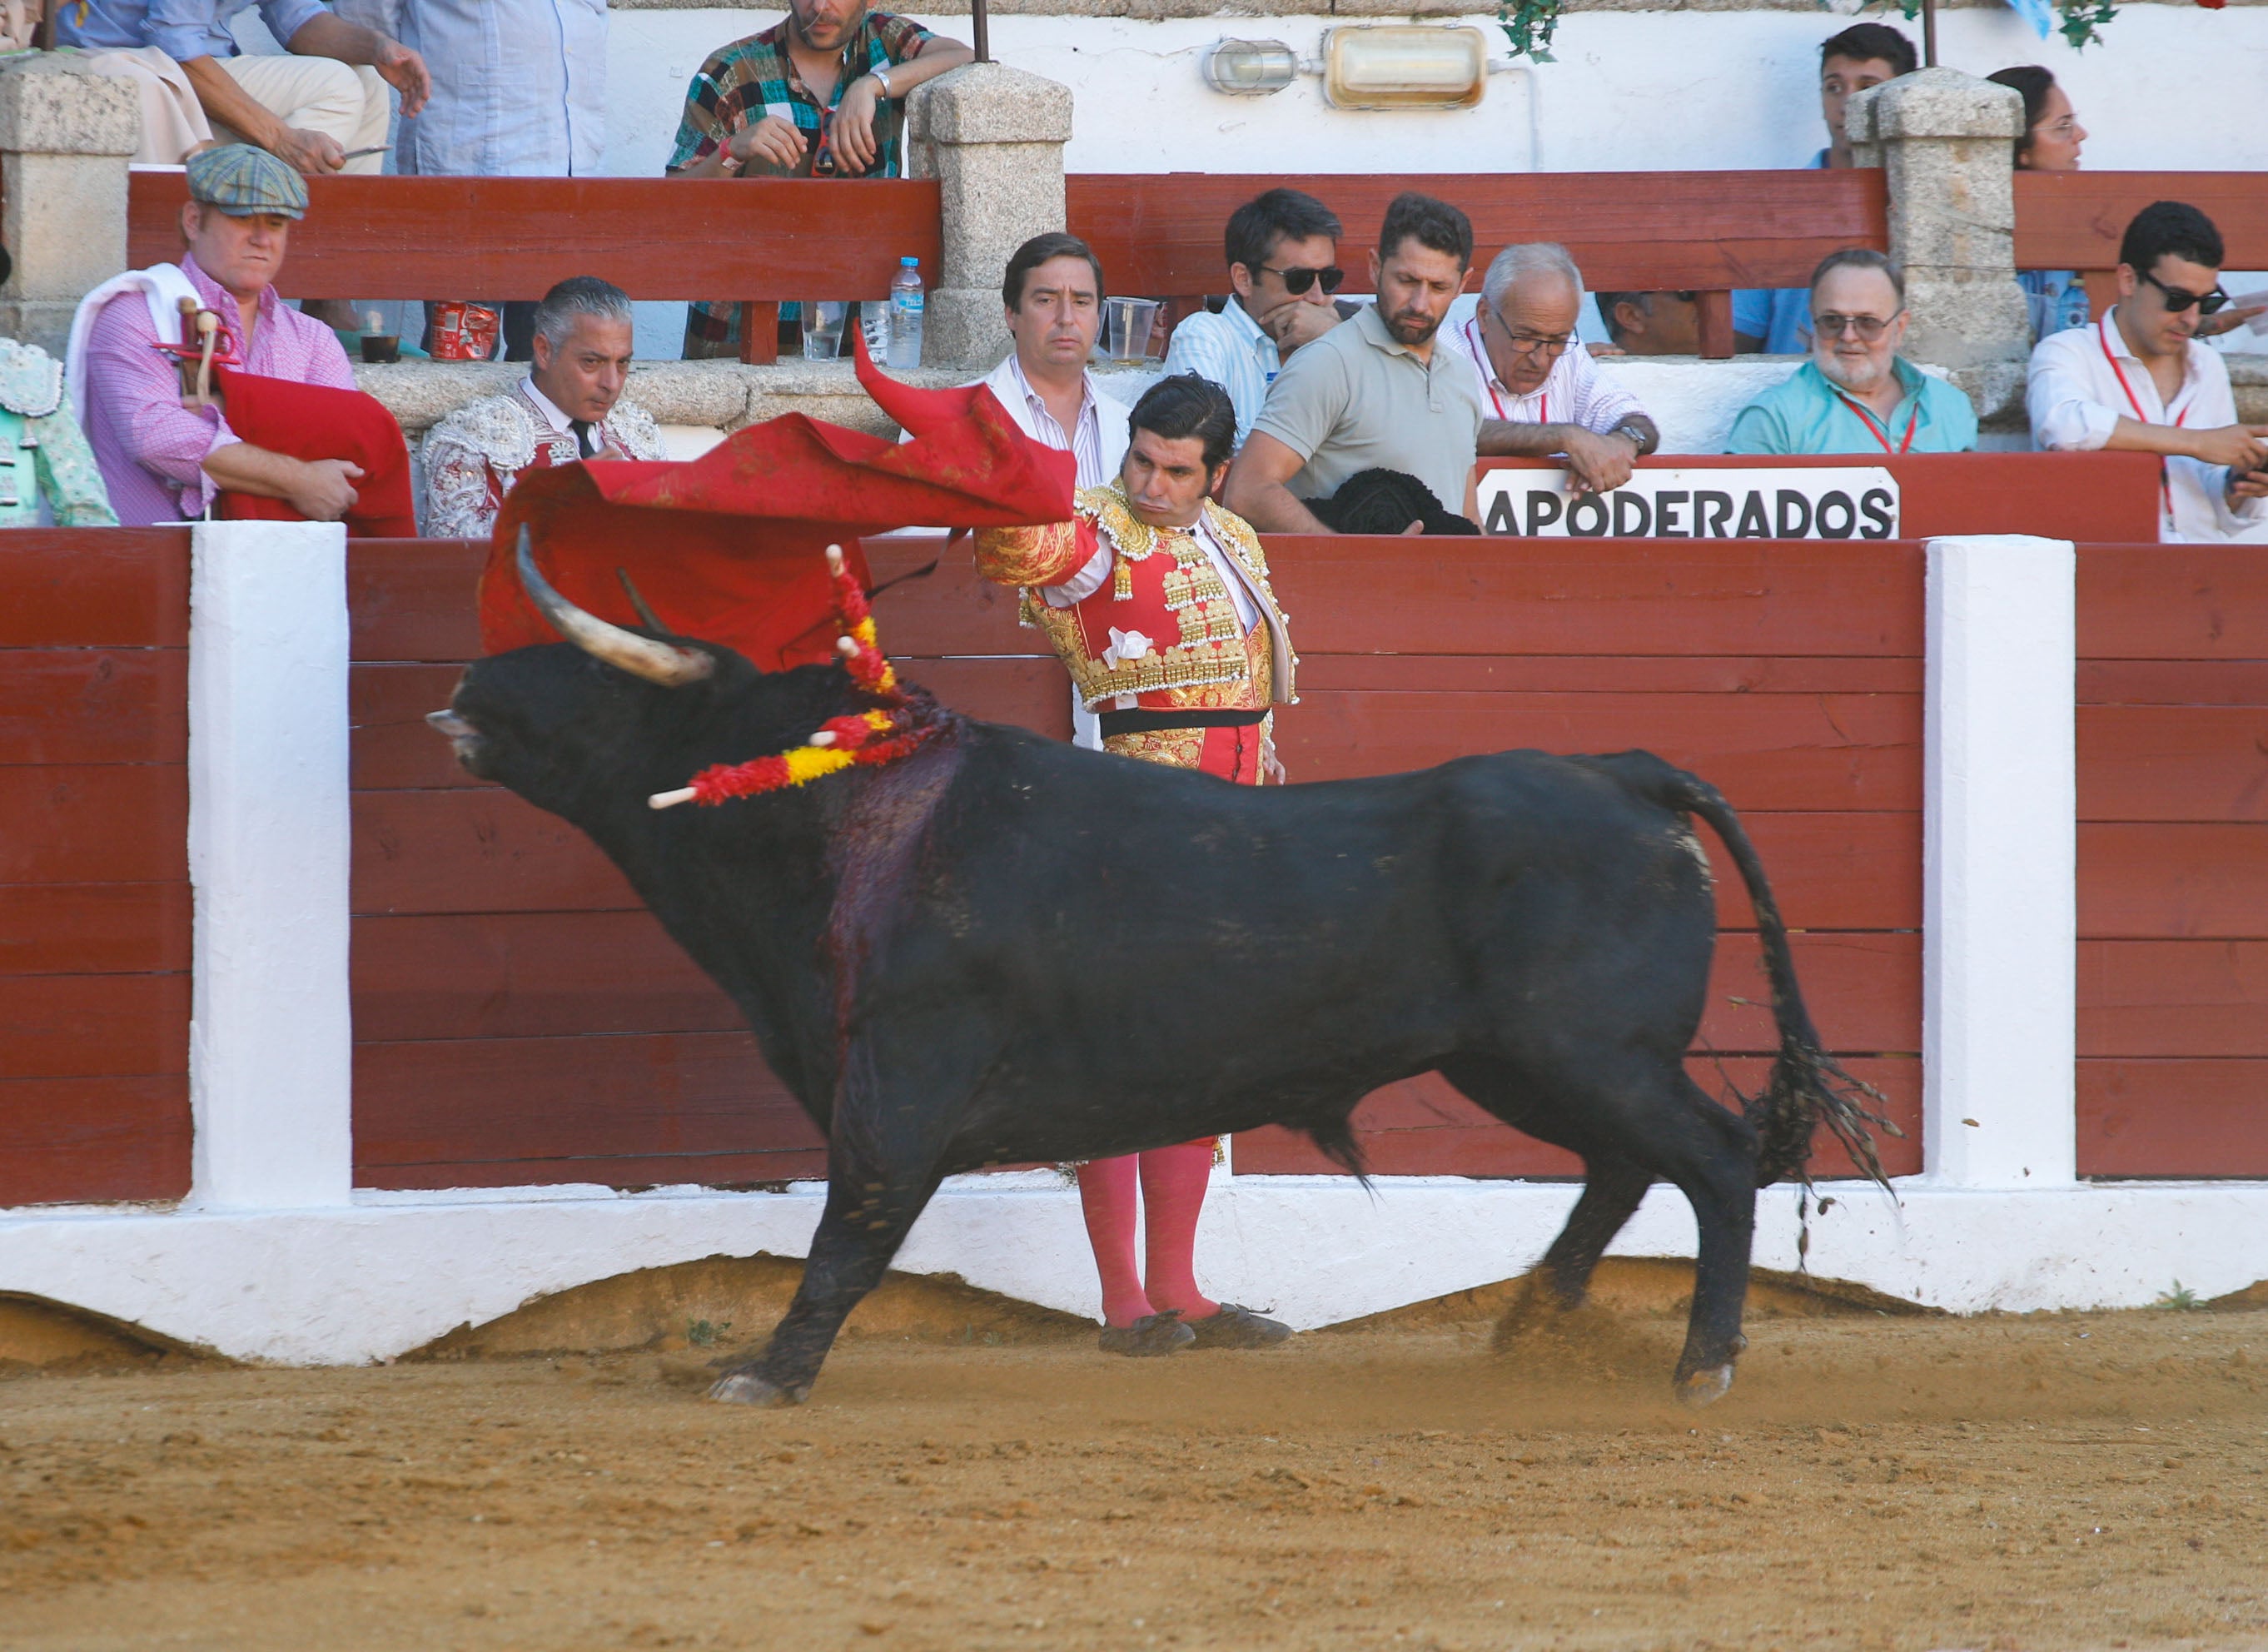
{"points": [[1855, 395]]}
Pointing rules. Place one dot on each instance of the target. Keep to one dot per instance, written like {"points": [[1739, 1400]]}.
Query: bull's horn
{"points": [[661, 663]]}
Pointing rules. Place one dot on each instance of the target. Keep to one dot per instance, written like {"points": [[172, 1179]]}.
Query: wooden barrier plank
{"points": [[414, 599], [2074, 220], [113, 823], [2172, 683], [97, 587], [476, 848], [2173, 998], [2179, 763], [1763, 751], [1503, 596], [1864, 992], [521, 974], [1606, 674], [1425, 1128], [93, 928], [1159, 233], [482, 850], [85, 1026], [379, 237], [2172, 601], [2162, 880], [94, 705], [499, 1112], [92, 1141], [2201, 1118]]}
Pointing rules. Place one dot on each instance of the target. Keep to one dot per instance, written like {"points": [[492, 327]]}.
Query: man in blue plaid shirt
{"points": [[821, 95]]}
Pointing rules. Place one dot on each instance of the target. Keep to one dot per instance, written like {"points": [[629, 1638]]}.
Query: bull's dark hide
{"points": [[1006, 950]]}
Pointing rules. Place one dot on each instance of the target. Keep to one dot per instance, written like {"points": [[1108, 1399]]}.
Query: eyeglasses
{"points": [[2178, 299], [1296, 282], [2063, 129], [1526, 343], [1868, 327]]}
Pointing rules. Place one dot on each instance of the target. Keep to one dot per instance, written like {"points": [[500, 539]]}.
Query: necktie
{"points": [[585, 442]]}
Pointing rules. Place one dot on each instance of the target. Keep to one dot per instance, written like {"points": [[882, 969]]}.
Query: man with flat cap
{"points": [[287, 436]]}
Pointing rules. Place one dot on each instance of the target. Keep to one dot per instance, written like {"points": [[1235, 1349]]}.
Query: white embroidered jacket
{"points": [[473, 456]]}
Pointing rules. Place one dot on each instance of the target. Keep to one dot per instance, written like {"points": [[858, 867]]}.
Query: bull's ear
{"points": [[659, 663]]}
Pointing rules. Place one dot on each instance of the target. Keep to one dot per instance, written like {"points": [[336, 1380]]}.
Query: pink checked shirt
{"points": [[151, 449]]}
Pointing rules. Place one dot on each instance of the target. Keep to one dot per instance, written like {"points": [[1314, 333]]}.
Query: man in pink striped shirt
{"points": [[164, 461]]}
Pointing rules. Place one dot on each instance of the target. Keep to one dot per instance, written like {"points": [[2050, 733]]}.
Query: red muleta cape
{"points": [[314, 421], [729, 548]]}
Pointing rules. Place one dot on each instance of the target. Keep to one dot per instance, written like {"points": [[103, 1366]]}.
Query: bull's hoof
{"points": [[1704, 1387], [746, 1388]]}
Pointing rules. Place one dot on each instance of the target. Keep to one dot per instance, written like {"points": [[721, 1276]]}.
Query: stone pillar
{"points": [[993, 138], [65, 135], [1947, 142]]}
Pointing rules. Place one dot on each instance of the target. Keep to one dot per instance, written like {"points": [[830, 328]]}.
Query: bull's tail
{"points": [[1808, 1086]]}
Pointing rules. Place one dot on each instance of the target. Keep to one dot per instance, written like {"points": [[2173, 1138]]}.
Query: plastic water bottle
{"points": [[906, 315]]}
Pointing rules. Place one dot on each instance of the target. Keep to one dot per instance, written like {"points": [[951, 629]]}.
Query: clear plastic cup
{"points": [[822, 329], [1126, 324]]}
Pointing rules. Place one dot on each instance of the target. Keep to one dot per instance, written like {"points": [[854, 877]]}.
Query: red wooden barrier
{"points": [[95, 895], [767, 240], [2074, 220], [2172, 870], [519, 1018], [1159, 234]]}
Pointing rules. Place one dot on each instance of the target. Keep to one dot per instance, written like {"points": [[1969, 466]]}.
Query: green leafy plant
{"points": [[2181, 1298], [1528, 25], [2083, 20]]}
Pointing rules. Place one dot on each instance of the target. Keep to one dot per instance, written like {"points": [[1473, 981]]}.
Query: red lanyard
{"points": [[1913, 420], [1488, 376], [2102, 337]]}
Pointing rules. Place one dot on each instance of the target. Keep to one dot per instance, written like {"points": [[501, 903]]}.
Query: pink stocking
{"points": [[1107, 1194], [1173, 1181]]}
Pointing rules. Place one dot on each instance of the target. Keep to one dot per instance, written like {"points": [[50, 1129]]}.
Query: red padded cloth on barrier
{"points": [[314, 421], [728, 547]]}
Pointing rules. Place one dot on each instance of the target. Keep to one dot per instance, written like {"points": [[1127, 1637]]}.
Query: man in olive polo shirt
{"points": [[1377, 393]]}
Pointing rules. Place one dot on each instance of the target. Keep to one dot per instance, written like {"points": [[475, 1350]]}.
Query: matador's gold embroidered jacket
{"points": [[1162, 632]]}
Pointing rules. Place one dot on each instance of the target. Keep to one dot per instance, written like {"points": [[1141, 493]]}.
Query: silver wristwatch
{"points": [[882, 80]]}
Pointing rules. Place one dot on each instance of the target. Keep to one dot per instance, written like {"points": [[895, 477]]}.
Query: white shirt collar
{"points": [[557, 420], [1033, 400], [2107, 331]]}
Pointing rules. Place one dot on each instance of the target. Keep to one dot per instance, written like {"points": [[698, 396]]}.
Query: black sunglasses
{"points": [[1298, 281], [2177, 299]]}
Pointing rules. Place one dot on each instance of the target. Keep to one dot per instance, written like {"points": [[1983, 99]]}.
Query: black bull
{"points": [[1002, 949]]}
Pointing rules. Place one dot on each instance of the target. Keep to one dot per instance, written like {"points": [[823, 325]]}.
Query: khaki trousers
{"points": [[347, 103]]}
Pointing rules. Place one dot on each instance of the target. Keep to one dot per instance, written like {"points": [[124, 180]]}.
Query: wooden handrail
{"points": [[1159, 234], [2074, 220], [763, 240]]}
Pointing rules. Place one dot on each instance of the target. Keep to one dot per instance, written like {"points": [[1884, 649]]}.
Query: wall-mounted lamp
{"points": [[1404, 66], [1395, 66], [1250, 69]]}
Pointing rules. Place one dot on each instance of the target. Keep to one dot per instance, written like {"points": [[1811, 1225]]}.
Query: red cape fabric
{"points": [[730, 547], [311, 421]]}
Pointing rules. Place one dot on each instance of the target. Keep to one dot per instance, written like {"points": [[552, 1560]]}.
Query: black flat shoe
{"points": [[1151, 1335], [1235, 1327]]}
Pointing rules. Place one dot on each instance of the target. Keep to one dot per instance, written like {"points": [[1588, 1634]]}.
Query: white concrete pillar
{"points": [[270, 1045], [1999, 865]]}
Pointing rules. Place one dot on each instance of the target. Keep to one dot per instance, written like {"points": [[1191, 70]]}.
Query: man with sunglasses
{"points": [[1283, 267], [1541, 393], [2139, 380], [1856, 395]]}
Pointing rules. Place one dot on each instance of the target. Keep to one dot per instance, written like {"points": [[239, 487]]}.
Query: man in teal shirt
{"points": [[1855, 395]]}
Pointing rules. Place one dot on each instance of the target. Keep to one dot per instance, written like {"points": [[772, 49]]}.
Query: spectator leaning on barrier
{"points": [[2137, 380], [569, 407], [1282, 249], [1377, 395], [163, 461], [822, 94], [1652, 323], [519, 91], [321, 108], [1775, 319], [1856, 395], [1541, 394]]}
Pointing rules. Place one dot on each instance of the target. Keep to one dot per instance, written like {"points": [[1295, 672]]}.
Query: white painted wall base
{"points": [[396, 1271]]}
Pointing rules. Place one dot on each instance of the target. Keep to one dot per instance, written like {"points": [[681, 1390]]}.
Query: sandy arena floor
{"points": [[2034, 1482]]}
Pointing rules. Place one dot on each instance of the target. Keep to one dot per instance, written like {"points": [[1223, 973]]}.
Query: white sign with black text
{"points": [[1794, 502]]}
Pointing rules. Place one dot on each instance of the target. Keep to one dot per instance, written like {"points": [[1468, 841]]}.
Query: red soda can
{"points": [[463, 332]]}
